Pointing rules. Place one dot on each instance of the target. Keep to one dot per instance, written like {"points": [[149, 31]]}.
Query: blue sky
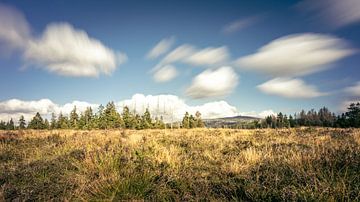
{"points": [[134, 28]]}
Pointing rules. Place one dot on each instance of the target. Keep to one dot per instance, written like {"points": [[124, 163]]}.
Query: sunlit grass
{"points": [[210, 164]]}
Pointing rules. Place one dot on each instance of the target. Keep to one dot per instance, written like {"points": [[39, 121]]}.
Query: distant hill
{"points": [[229, 122]]}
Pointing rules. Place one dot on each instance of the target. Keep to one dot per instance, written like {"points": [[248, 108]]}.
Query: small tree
{"points": [[22, 123], [186, 121], [199, 121], [146, 120], [53, 121], [74, 119], [37, 122], [10, 125]]}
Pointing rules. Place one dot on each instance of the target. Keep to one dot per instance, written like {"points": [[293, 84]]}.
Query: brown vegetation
{"points": [[211, 164]]}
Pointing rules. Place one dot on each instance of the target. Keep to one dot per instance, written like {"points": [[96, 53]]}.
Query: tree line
{"points": [[322, 118], [105, 118]]}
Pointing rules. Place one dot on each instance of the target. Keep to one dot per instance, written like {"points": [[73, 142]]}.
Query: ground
{"points": [[212, 164]]}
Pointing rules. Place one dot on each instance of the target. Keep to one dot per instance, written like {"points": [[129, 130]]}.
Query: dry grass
{"points": [[212, 164]]}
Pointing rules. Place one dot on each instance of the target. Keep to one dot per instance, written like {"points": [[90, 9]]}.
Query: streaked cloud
{"points": [[334, 13], [239, 24], [61, 49], [290, 88], [213, 83], [165, 73], [179, 54], [15, 30], [160, 48], [209, 56], [67, 51], [354, 90], [297, 55], [189, 54]]}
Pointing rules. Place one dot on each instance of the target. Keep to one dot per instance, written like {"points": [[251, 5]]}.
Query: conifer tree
{"points": [[10, 125], [37, 122], [74, 119], [146, 120], [186, 121], [53, 121], [22, 123], [128, 118]]}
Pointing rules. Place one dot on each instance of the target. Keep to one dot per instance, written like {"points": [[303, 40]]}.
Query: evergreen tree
{"points": [[128, 118], [74, 119], [292, 121], [53, 122], [10, 125], [2, 125], [87, 119], [146, 120], [192, 122], [100, 118], [46, 124], [62, 122], [112, 117], [186, 121], [22, 123], [37, 122]]}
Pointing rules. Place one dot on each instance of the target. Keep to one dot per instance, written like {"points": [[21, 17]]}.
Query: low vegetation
{"points": [[306, 164]]}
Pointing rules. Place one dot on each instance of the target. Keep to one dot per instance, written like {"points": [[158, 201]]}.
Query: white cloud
{"points": [[165, 73], [170, 107], [354, 90], [213, 83], [162, 47], [297, 55], [61, 48], [266, 113], [173, 108], [15, 31], [209, 56], [290, 88], [180, 53], [67, 51], [335, 13], [14, 108], [239, 24], [198, 57]]}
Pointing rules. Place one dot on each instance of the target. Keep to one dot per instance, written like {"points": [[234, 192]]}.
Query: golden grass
{"points": [[198, 164]]}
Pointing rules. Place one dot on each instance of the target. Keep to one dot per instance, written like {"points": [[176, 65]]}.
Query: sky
{"points": [[222, 58]]}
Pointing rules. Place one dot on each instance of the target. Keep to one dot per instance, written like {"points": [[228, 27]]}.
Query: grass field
{"points": [[212, 164]]}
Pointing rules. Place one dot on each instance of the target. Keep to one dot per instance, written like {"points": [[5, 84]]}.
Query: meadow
{"points": [[306, 164]]}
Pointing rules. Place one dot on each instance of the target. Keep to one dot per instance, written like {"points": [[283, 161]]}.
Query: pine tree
{"points": [[128, 118], [87, 119], [62, 122], [10, 125], [22, 123], [112, 117], [53, 121], [146, 120], [2, 125], [292, 122], [100, 118], [192, 122], [74, 119], [186, 121], [46, 124], [37, 122]]}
